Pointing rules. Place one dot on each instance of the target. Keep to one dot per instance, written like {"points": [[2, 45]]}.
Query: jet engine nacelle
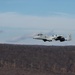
{"points": [[60, 38]]}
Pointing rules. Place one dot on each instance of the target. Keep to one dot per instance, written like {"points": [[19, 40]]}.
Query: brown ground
{"points": [[37, 60]]}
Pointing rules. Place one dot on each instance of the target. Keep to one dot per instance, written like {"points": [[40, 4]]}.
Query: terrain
{"points": [[36, 60]]}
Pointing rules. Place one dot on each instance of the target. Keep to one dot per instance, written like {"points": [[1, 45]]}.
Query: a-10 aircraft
{"points": [[50, 38]]}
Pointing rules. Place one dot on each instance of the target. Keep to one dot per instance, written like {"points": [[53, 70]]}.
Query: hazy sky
{"points": [[38, 7], [38, 14]]}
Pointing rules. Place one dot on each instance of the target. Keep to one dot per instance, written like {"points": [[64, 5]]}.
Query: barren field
{"points": [[37, 60]]}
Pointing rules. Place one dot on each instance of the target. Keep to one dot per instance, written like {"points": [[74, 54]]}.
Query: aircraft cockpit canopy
{"points": [[39, 34]]}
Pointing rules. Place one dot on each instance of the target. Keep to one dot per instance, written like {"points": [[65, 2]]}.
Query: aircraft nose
{"points": [[35, 37]]}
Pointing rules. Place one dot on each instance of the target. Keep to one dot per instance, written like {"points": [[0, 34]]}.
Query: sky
{"points": [[37, 16]]}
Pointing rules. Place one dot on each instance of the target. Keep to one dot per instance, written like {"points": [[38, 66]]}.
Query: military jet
{"points": [[50, 38]]}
